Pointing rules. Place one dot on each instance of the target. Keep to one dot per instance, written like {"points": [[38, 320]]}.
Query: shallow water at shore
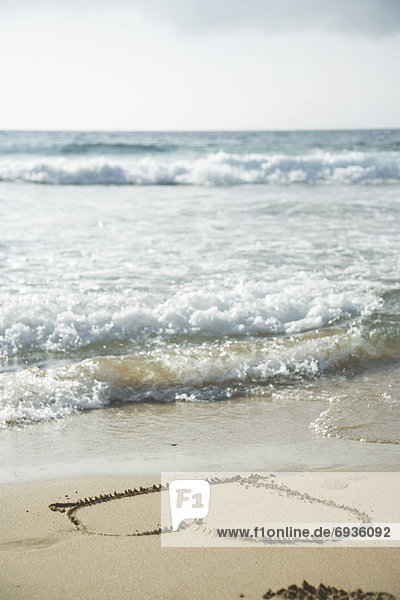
{"points": [[276, 429]]}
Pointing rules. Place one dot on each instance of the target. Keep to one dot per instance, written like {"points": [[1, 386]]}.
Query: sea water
{"points": [[199, 300]]}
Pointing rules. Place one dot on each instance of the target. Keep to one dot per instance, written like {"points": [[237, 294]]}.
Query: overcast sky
{"points": [[199, 64]]}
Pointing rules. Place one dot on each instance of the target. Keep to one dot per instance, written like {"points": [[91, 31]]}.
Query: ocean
{"points": [[213, 300]]}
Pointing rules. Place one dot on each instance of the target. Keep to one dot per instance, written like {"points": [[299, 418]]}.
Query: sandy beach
{"points": [[44, 555]]}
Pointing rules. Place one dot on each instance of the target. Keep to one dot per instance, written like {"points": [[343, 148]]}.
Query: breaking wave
{"points": [[215, 169], [176, 373], [54, 324]]}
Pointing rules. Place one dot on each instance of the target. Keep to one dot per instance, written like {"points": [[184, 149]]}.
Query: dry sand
{"points": [[44, 556]]}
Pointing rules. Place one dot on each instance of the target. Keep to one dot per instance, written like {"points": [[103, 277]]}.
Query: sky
{"points": [[199, 64]]}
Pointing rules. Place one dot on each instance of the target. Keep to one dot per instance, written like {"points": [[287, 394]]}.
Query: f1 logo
{"points": [[188, 499]]}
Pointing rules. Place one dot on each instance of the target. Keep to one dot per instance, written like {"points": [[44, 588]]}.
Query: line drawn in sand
{"points": [[254, 480]]}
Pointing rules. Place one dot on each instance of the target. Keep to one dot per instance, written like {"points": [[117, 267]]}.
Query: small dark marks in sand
{"points": [[323, 592]]}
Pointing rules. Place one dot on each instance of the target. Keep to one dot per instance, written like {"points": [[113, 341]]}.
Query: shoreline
{"points": [[186, 436], [43, 555]]}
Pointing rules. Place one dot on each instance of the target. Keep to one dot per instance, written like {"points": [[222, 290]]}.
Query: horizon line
{"points": [[224, 130]]}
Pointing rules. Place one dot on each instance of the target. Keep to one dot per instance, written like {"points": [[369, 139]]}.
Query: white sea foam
{"points": [[215, 169], [204, 370], [56, 324], [174, 372]]}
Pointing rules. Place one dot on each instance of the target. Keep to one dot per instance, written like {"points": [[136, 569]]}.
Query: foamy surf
{"points": [[205, 372], [249, 308], [217, 169]]}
